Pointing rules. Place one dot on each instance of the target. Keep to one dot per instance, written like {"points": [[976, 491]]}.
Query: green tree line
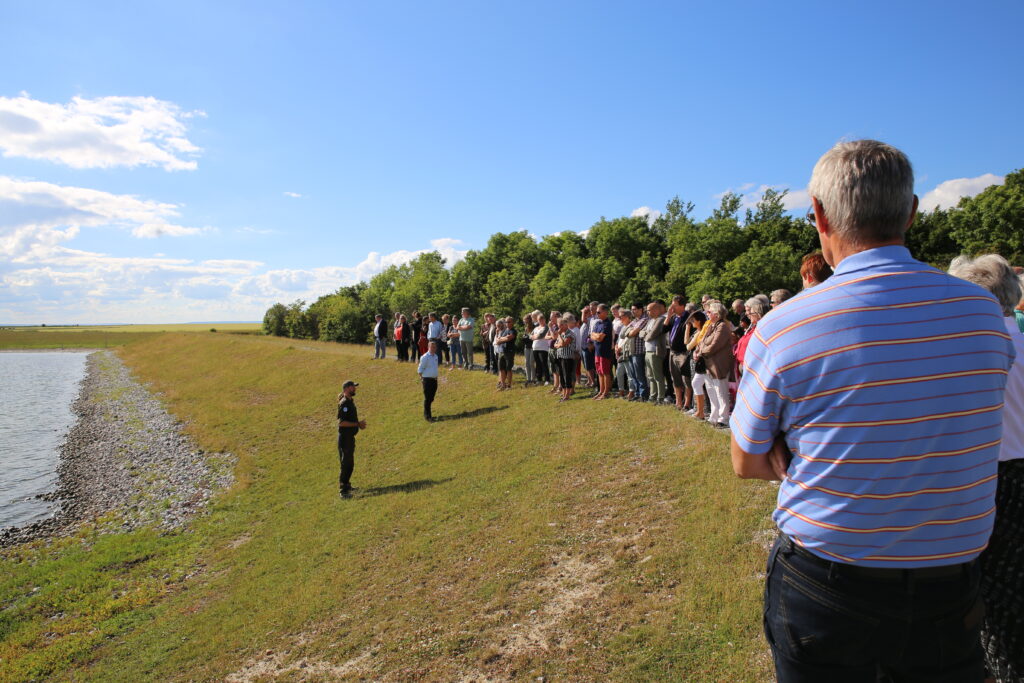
{"points": [[631, 259]]}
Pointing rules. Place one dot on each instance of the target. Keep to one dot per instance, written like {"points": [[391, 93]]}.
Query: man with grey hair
{"points": [[875, 398], [655, 349]]}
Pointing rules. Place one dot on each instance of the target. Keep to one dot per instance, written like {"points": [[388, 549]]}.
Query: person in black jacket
{"points": [[349, 425], [678, 357], [417, 330]]}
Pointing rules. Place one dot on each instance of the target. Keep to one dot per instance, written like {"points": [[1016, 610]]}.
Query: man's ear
{"points": [[913, 214], [821, 220]]}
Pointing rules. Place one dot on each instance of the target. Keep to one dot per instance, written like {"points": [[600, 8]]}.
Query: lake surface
{"points": [[36, 393]]}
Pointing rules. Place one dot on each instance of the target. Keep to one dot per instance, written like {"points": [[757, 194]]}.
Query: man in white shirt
{"points": [[428, 376], [380, 337], [435, 329]]}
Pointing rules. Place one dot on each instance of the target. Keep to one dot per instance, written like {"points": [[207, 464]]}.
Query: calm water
{"points": [[36, 393]]}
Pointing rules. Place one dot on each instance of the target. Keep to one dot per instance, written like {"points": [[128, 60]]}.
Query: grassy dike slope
{"points": [[595, 540]]}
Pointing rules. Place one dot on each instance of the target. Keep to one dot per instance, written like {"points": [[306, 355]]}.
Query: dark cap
{"points": [[349, 383]]}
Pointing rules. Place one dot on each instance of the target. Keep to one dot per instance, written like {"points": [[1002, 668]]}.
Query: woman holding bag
{"points": [[715, 349]]}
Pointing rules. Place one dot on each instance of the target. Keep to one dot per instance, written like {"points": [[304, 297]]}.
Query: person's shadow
{"points": [[407, 487], [469, 413]]}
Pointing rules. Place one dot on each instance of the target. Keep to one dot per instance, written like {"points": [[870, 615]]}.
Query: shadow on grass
{"points": [[408, 487], [469, 413]]}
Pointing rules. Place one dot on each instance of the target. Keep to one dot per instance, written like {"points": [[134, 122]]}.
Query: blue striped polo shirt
{"points": [[887, 382]]}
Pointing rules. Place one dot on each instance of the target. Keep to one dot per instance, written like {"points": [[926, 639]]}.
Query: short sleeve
{"points": [[760, 400]]}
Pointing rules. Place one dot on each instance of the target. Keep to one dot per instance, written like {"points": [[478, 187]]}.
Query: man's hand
{"points": [[362, 424], [779, 458]]}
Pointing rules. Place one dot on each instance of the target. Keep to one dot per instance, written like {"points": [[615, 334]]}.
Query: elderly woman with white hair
{"points": [[715, 349], [755, 311], [1002, 563]]}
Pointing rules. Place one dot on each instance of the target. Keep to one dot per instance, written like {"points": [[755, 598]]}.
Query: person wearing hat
{"points": [[349, 425]]}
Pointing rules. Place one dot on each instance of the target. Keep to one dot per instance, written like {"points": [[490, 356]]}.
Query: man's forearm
{"points": [[751, 465]]}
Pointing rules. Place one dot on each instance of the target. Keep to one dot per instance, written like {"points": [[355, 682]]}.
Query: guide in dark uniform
{"points": [[349, 425]]}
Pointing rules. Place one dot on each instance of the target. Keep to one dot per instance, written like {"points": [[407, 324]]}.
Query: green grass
{"points": [[595, 540], [103, 336]]}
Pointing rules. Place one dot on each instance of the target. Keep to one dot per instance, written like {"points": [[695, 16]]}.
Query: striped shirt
{"points": [[568, 338], [637, 342], [887, 382]]}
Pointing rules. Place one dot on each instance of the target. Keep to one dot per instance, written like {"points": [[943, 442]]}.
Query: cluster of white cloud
{"points": [[947, 194], [98, 133], [36, 216], [43, 279], [313, 282], [651, 214]]}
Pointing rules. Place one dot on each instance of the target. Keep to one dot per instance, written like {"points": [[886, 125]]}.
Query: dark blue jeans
{"points": [[831, 622]]}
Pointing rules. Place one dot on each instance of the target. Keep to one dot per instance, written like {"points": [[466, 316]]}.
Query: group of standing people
{"points": [[412, 336], [680, 353]]}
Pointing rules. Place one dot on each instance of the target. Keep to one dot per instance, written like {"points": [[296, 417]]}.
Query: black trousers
{"points": [[429, 391], [830, 622], [402, 348], [540, 362], [490, 362], [347, 455]]}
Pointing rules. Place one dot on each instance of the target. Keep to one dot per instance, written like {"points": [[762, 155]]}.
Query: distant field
{"points": [[102, 336], [516, 538]]}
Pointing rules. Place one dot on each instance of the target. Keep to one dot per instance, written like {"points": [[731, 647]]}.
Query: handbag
{"points": [[699, 366]]}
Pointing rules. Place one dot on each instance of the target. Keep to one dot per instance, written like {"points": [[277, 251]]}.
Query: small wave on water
{"points": [[37, 390]]}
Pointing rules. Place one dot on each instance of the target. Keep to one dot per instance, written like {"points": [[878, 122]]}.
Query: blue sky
{"points": [[179, 161]]}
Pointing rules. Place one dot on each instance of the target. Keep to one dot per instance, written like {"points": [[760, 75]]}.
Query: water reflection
{"points": [[36, 393]]}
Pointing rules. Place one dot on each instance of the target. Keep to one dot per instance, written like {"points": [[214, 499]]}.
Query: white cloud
{"points": [[36, 216], [98, 133], [947, 194], [249, 230], [61, 284], [651, 214], [293, 195]]}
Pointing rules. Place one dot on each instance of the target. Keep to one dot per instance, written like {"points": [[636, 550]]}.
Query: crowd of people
{"points": [[680, 353], [886, 397]]}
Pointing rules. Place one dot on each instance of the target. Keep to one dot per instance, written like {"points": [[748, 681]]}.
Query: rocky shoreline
{"points": [[125, 463]]}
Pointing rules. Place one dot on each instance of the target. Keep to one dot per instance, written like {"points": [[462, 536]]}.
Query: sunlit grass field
{"points": [[514, 538], [103, 336]]}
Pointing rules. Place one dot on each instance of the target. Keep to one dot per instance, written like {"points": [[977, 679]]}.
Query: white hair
{"points": [[755, 305], [866, 189], [992, 272]]}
